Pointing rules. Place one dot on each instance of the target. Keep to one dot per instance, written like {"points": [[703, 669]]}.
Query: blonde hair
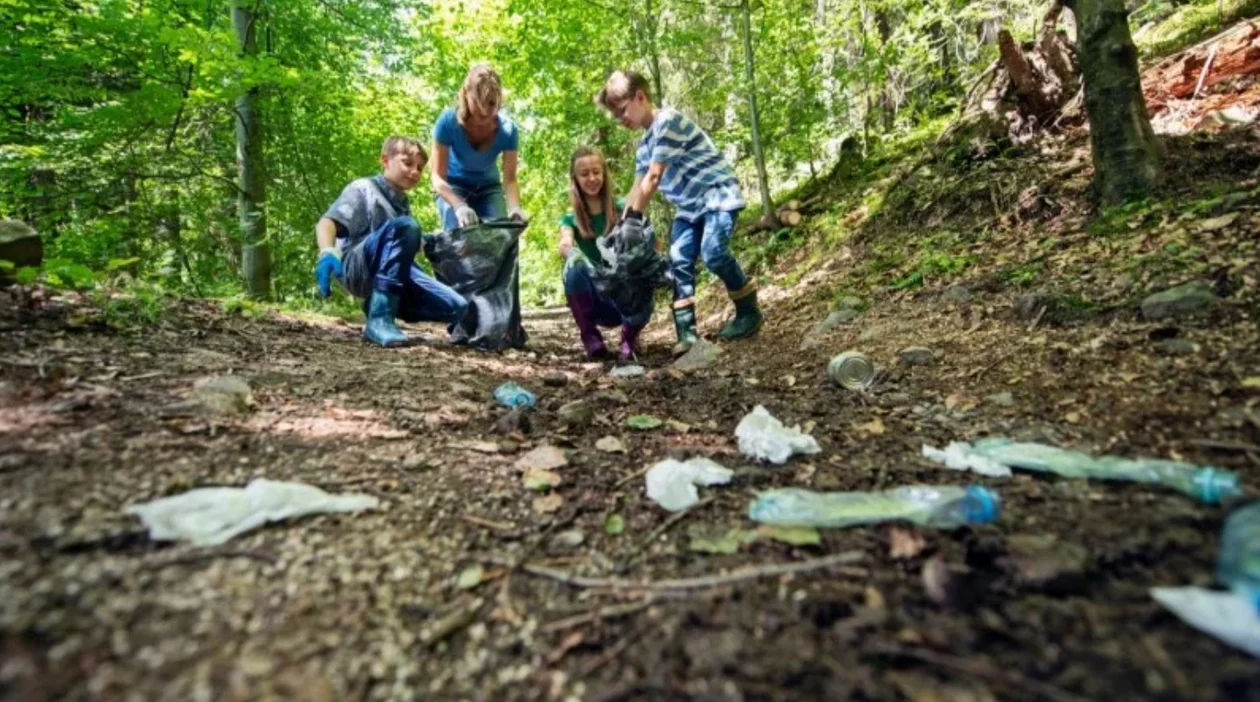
{"points": [[620, 87], [482, 88], [578, 201], [398, 144]]}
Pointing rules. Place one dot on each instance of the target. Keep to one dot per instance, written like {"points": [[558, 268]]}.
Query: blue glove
{"points": [[328, 267]]}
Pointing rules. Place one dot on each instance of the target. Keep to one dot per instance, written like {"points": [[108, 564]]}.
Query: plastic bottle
{"points": [[1238, 561], [943, 507], [1204, 483], [510, 394]]}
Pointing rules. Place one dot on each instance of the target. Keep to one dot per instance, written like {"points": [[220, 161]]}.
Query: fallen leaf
{"points": [[875, 427], [1215, 223], [548, 503], [542, 458], [482, 446], [643, 422], [705, 541], [678, 426], [789, 380], [1073, 417], [610, 444], [904, 543], [953, 401], [470, 578], [796, 536], [614, 524], [936, 579], [539, 479], [1130, 377], [1252, 382]]}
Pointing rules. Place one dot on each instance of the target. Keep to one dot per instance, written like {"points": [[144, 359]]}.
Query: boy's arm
{"points": [[326, 234], [645, 187]]}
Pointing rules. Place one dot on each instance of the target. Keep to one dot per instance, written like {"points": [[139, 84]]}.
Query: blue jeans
{"points": [[384, 261], [577, 281], [710, 237], [486, 200]]}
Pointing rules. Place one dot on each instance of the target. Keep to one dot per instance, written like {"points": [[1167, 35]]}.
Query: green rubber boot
{"points": [[381, 329], [685, 326], [747, 320]]}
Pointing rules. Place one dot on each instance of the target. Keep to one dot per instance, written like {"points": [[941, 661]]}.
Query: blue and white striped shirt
{"points": [[697, 178]]}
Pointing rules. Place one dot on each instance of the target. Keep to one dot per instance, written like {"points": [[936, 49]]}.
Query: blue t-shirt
{"points": [[469, 167]]}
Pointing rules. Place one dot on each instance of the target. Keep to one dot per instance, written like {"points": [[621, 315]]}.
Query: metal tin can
{"points": [[851, 370]]}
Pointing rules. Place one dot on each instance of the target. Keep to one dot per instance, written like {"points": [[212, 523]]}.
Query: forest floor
{"points": [[1028, 299]]}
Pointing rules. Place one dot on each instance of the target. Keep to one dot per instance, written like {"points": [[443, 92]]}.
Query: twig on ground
{"points": [[669, 523], [628, 478], [613, 651], [1037, 320], [505, 591], [195, 558], [1207, 66], [1026, 687], [1226, 445], [692, 583], [451, 623], [487, 523], [595, 615]]}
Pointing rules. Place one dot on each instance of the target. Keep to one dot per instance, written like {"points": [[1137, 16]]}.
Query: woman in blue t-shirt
{"points": [[467, 142]]}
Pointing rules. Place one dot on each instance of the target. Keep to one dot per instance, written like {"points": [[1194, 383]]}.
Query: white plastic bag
{"points": [[672, 484], [763, 437], [211, 516], [960, 456], [1228, 616]]}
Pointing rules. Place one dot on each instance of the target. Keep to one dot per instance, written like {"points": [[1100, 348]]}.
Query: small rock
{"points": [[613, 397], [630, 371], [916, 356], [515, 421], [19, 245], [702, 355], [1183, 300], [1176, 347], [834, 319], [568, 540], [610, 444], [416, 462], [956, 294], [1001, 399], [223, 394], [575, 414], [1043, 562], [555, 380], [543, 458]]}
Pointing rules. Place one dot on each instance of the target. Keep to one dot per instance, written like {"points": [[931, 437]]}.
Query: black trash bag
{"points": [[632, 269], [481, 263]]}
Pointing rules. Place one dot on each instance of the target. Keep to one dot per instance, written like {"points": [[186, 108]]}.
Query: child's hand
{"points": [[466, 216], [328, 267], [517, 213]]}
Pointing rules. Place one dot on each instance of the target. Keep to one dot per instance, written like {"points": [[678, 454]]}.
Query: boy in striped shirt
{"points": [[676, 157]]}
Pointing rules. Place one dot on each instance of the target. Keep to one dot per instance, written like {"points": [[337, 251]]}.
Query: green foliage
{"points": [[117, 117]]}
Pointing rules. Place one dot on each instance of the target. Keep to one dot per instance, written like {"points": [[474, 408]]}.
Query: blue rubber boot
{"points": [[380, 328]]}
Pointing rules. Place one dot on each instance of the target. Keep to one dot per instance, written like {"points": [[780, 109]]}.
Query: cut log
{"points": [[20, 246], [789, 218]]}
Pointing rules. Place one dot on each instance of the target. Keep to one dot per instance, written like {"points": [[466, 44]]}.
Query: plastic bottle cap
{"points": [[1216, 485], [981, 505]]}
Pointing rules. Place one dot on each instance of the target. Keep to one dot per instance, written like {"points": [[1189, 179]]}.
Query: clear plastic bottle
{"points": [[1204, 483], [942, 507], [510, 394], [1238, 561]]}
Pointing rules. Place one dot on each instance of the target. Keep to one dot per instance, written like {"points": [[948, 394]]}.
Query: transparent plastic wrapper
{"points": [[672, 484], [1238, 561], [1226, 615], [1204, 483], [960, 456], [211, 516], [481, 263], [510, 394], [943, 507], [633, 269], [763, 437]]}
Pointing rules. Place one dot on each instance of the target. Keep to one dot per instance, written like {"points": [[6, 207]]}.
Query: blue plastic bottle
{"points": [[510, 394], [942, 507], [1238, 561]]}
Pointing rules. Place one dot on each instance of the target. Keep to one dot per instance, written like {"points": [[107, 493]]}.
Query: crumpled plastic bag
{"points": [[632, 269], [672, 484], [1228, 616], [960, 456], [763, 437], [480, 263], [212, 516]]}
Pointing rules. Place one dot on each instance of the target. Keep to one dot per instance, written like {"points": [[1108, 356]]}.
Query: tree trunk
{"points": [[767, 205], [252, 189], [1126, 154]]}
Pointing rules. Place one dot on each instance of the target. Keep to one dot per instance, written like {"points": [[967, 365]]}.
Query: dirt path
{"points": [[1047, 604]]}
